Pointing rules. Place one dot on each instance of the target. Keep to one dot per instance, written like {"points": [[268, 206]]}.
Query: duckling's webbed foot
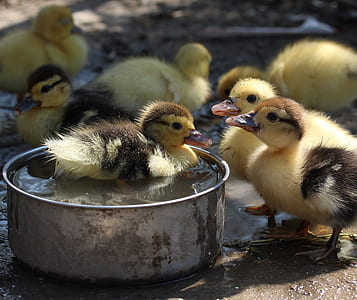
{"points": [[322, 253], [263, 210]]}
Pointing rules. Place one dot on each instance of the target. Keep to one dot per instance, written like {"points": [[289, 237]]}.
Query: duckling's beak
{"points": [[197, 139], [26, 104], [225, 108], [245, 121]]}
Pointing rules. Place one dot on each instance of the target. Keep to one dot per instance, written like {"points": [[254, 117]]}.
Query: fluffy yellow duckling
{"points": [[50, 40], [153, 146], [229, 79], [48, 107], [320, 74], [236, 144], [308, 167], [139, 80]]}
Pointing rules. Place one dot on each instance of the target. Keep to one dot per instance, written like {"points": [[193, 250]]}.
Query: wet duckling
{"points": [[155, 145], [236, 144], [229, 79], [48, 106], [320, 74], [50, 40], [308, 167], [139, 80]]}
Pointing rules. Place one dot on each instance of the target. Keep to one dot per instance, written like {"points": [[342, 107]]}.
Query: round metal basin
{"points": [[132, 244]]}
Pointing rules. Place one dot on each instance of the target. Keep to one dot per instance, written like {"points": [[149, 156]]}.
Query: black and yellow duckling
{"points": [[155, 145], [50, 40], [138, 80], [320, 74], [308, 167], [230, 78], [48, 105]]}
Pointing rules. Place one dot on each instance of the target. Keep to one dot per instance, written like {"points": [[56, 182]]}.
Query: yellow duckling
{"points": [[48, 107], [153, 146], [229, 79], [320, 74], [236, 144], [50, 40], [308, 167], [137, 81]]}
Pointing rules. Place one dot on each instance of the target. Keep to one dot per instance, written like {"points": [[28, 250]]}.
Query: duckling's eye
{"points": [[176, 125], [45, 89], [227, 91], [272, 117], [251, 98]]}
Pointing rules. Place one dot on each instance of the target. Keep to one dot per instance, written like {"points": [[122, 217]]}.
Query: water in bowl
{"points": [[36, 178]]}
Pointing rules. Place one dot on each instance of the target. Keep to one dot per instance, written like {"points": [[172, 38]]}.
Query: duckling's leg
{"points": [[303, 229], [263, 210], [319, 254]]}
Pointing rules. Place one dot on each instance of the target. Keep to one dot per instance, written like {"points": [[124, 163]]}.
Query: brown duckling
{"points": [[308, 167], [155, 145]]}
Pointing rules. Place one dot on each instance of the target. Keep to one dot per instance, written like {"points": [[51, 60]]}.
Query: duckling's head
{"points": [[54, 23], [246, 94], [229, 79], [48, 87], [278, 122], [193, 59], [171, 125]]}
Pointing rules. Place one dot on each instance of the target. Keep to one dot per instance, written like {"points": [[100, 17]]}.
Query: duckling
{"points": [[50, 40], [48, 106], [154, 145], [228, 79], [139, 80], [236, 144], [308, 167], [321, 74]]}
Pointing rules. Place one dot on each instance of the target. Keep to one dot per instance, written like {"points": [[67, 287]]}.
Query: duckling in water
{"points": [[320, 74], [48, 107], [155, 145], [230, 78], [138, 80], [308, 167], [50, 40]]}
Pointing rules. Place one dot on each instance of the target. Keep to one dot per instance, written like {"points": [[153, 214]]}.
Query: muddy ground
{"points": [[247, 269]]}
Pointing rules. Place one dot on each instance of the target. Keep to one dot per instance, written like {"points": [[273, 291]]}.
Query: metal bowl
{"points": [[132, 244]]}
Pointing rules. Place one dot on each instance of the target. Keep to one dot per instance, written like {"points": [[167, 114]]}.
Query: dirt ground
{"points": [[247, 269]]}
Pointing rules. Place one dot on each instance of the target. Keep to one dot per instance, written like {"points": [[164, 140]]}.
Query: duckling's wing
{"points": [[330, 175]]}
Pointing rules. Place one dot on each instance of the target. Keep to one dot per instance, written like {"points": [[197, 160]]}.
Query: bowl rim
{"points": [[27, 154]]}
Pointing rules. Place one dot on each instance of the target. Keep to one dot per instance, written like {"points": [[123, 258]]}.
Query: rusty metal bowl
{"points": [[133, 244]]}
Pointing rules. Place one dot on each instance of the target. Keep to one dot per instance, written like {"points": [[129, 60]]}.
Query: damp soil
{"points": [[251, 266]]}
